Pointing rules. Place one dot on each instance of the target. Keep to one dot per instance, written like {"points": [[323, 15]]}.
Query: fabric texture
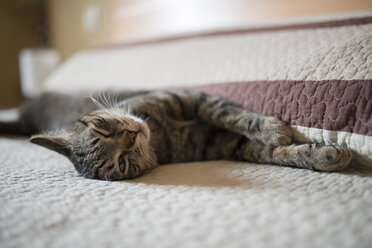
{"points": [[327, 53], [44, 203], [330, 112], [313, 76]]}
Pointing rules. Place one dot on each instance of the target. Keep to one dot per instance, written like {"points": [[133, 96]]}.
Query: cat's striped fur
{"points": [[151, 128]]}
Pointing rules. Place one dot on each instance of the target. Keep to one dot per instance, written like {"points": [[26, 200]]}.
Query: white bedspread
{"points": [[44, 203]]}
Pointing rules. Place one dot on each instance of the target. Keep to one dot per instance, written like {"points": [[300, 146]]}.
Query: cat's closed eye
{"points": [[103, 133]]}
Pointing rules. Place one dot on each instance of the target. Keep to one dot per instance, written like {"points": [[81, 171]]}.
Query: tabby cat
{"points": [[127, 139]]}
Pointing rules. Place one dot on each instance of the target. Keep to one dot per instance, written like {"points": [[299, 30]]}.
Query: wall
{"points": [[20, 22], [65, 21], [125, 20], [137, 19]]}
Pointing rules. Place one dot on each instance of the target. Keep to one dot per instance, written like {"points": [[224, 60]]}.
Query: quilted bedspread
{"points": [[316, 76], [338, 108], [213, 204]]}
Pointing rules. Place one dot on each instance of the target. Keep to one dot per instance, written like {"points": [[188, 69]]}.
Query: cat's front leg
{"points": [[308, 156], [266, 129], [219, 112], [313, 156], [273, 132]]}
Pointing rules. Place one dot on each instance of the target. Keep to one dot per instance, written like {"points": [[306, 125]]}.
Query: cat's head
{"points": [[104, 144]]}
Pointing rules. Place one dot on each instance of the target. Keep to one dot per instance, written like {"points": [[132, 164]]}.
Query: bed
{"points": [[314, 74]]}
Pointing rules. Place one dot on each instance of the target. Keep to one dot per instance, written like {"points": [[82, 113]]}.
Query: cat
{"points": [[128, 138]]}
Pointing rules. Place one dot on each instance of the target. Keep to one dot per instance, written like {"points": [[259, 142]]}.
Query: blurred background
{"points": [[59, 28]]}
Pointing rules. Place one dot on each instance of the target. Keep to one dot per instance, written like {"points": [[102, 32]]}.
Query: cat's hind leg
{"points": [[308, 156]]}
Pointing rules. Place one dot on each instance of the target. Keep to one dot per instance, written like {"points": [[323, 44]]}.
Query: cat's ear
{"points": [[57, 144]]}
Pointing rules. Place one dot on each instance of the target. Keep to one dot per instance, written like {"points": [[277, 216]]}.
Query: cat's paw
{"points": [[331, 158], [275, 132]]}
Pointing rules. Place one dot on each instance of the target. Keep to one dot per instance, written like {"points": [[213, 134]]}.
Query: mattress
{"points": [[45, 203], [314, 76]]}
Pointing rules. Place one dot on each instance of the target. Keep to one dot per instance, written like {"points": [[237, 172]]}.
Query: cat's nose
{"points": [[131, 135]]}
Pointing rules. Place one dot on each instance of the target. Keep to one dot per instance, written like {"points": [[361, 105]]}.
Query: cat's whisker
{"points": [[104, 104], [105, 101], [129, 109], [111, 99], [116, 102], [96, 102], [147, 118]]}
